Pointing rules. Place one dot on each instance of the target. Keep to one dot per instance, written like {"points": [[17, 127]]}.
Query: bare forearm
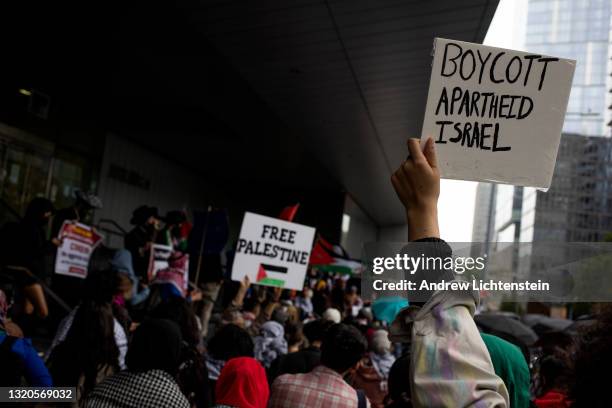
{"points": [[422, 223]]}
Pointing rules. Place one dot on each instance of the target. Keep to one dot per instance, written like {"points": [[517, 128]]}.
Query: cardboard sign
{"points": [[272, 252], [496, 114], [158, 260], [78, 241]]}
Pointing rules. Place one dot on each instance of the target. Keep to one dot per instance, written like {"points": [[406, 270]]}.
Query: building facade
{"points": [[578, 205], [579, 30]]}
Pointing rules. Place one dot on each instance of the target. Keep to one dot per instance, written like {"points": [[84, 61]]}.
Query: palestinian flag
{"points": [[333, 258], [288, 213], [264, 279]]}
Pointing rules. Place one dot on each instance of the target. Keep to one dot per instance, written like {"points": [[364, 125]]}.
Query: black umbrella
{"points": [[543, 324], [508, 327]]}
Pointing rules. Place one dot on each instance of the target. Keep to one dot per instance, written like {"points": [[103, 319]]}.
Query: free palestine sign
{"points": [[272, 252], [496, 114]]}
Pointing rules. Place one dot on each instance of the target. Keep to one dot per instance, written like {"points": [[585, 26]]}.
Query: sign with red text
{"points": [[158, 259], [272, 252], [78, 241], [496, 114]]}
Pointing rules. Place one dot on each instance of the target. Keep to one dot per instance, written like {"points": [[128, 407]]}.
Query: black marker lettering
{"points": [[448, 45], [492, 73]]}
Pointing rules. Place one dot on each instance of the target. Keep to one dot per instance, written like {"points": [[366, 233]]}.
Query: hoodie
{"points": [[450, 364], [122, 263]]}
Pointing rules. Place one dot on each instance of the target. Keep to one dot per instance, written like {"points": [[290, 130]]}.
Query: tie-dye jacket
{"points": [[450, 364]]}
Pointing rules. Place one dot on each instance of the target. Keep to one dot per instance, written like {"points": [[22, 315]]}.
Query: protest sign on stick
{"points": [[78, 241], [496, 114], [272, 252]]}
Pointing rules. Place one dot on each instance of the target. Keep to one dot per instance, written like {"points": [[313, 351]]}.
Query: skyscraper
{"points": [[578, 205], [580, 30]]}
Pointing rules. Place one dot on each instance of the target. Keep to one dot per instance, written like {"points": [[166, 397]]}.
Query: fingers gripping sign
{"points": [[417, 184]]}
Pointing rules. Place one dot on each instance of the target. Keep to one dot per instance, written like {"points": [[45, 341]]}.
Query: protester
{"points": [[341, 351], [192, 375], [510, 365], [591, 365], [373, 372], [242, 384], [229, 342], [172, 233], [306, 359], [170, 281], [80, 211], [152, 363], [139, 240], [304, 303], [24, 246], [554, 373], [251, 308], [122, 263], [90, 343], [69, 288], [333, 315], [352, 302], [294, 334], [398, 387], [19, 359], [450, 365], [270, 343]]}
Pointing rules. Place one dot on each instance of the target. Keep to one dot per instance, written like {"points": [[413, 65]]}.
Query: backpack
{"points": [[362, 400], [12, 366]]}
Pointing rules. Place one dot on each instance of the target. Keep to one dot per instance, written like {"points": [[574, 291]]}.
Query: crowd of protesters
{"points": [[132, 340]]}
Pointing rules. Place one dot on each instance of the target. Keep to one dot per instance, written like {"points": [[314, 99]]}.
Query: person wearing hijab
{"points": [[373, 372], [332, 315], [122, 263], [242, 384], [510, 365], [270, 343], [152, 363]]}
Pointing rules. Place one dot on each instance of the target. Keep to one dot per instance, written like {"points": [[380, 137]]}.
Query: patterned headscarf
{"points": [[271, 343]]}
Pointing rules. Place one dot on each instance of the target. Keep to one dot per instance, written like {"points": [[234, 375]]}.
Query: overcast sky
{"points": [[456, 205]]}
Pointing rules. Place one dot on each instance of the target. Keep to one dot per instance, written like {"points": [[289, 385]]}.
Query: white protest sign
{"points": [[158, 259], [272, 252], [496, 114], [77, 243]]}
